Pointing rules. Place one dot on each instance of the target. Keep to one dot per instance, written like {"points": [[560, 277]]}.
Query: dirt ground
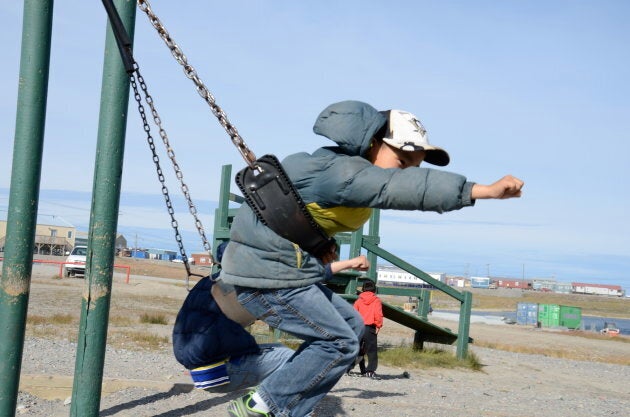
{"points": [[547, 373], [146, 294]]}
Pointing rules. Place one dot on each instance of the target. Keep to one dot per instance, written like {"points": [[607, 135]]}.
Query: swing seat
{"points": [[277, 204]]}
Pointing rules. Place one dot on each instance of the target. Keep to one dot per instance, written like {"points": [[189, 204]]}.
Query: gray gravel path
{"points": [[510, 385]]}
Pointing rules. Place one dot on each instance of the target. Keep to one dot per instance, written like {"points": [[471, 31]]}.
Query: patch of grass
{"points": [[120, 321], [50, 320], [406, 356], [154, 318], [144, 340], [48, 332]]}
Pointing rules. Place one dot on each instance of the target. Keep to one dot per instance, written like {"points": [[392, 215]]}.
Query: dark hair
{"points": [[380, 134], [369, 286]]}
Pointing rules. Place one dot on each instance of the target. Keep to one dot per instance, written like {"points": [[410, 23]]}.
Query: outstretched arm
{"points": [[506, 187], [359, 263]]}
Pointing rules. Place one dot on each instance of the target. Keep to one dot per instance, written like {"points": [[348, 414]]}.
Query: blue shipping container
{"points": [[527, 314]]}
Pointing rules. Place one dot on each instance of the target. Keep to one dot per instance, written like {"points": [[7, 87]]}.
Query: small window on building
{"points": [[53, 232], [69, 234]]}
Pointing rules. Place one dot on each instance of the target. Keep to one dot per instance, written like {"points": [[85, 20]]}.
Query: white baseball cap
{"points": [[405, 132]]}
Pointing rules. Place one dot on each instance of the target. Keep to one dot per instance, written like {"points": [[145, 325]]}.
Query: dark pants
{"points": [[370, 348]]}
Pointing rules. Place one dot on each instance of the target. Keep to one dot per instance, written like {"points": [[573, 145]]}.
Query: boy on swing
{"points": [[374, 165]]}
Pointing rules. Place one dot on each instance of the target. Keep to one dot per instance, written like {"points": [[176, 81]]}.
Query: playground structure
{"points": [[22, 218]]}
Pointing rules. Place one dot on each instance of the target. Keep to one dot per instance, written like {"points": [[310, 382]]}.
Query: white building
{"points": [[391, 275], [597, 289]]}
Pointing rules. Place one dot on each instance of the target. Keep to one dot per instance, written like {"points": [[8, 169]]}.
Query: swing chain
{"points": [[171, 154], [160, 174], [203, 91]]}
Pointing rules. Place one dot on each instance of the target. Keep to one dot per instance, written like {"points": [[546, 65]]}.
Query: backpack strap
{"points": [[278, 205]]}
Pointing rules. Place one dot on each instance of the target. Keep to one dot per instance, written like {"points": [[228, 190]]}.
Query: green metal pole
{"points": [[424, 303], [90, 358], [464, 325], [221, 225], [373, 233], [23, 195]]}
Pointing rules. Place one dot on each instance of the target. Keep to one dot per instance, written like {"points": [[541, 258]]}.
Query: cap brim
{"points": [[434, 155], [437, 156]]}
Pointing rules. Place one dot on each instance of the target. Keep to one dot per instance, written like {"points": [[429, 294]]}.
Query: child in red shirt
{"points": [[371, 309]]}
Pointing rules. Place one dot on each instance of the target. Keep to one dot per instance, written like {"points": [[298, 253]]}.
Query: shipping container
{"points": [[570, 317], [527, 314], [555, 315]]}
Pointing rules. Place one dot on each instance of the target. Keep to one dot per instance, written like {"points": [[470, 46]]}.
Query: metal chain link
{"points": [[156, 161], [171, 154], [203, 91]]}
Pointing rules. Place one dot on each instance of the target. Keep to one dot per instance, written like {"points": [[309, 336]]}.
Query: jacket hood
{"points": [[367, 297], [350, 124]]}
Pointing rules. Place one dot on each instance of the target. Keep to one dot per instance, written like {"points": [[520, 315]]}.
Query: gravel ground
{"points": [[510, 385], [152, 383]]}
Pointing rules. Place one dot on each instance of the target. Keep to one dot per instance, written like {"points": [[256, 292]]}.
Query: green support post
{"points": [[355, 243], [221, 224], [373, 228], [24, 195], [464, 325], [221, 230], [90, 358], [356, 239], [424, 303]]}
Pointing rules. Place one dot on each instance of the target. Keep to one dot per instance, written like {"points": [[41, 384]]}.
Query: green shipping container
{"points": [[555, 315]]}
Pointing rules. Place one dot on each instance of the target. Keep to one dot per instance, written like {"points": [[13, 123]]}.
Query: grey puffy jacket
{"points": [[335, 177]]}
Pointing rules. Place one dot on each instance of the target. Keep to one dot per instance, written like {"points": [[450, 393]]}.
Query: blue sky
{"points": [[537, 89]]}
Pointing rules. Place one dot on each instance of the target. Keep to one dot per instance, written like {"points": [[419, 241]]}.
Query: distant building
{"points": [[563, 288], [162, 254], [53, 235], [551, 285], [458, 282], [597, 289], [81, 238], [120, 244], [480, 282], [391, 275], [202, 259], [513, 283], [544, 284]]}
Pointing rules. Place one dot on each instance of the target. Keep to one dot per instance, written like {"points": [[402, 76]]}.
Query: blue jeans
{"points": [[250, 370], [330, 328]]}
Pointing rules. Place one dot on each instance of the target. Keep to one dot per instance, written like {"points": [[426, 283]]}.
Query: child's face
{"points": [[386, 156]]}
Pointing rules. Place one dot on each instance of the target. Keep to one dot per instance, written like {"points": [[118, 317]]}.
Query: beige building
{"points": [[53, 236]]}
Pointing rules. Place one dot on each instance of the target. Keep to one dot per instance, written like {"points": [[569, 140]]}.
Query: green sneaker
{"points": [[243, 407]]}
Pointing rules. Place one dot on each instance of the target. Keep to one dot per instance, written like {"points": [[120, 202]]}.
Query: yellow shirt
{"points": [[339, 219]]}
